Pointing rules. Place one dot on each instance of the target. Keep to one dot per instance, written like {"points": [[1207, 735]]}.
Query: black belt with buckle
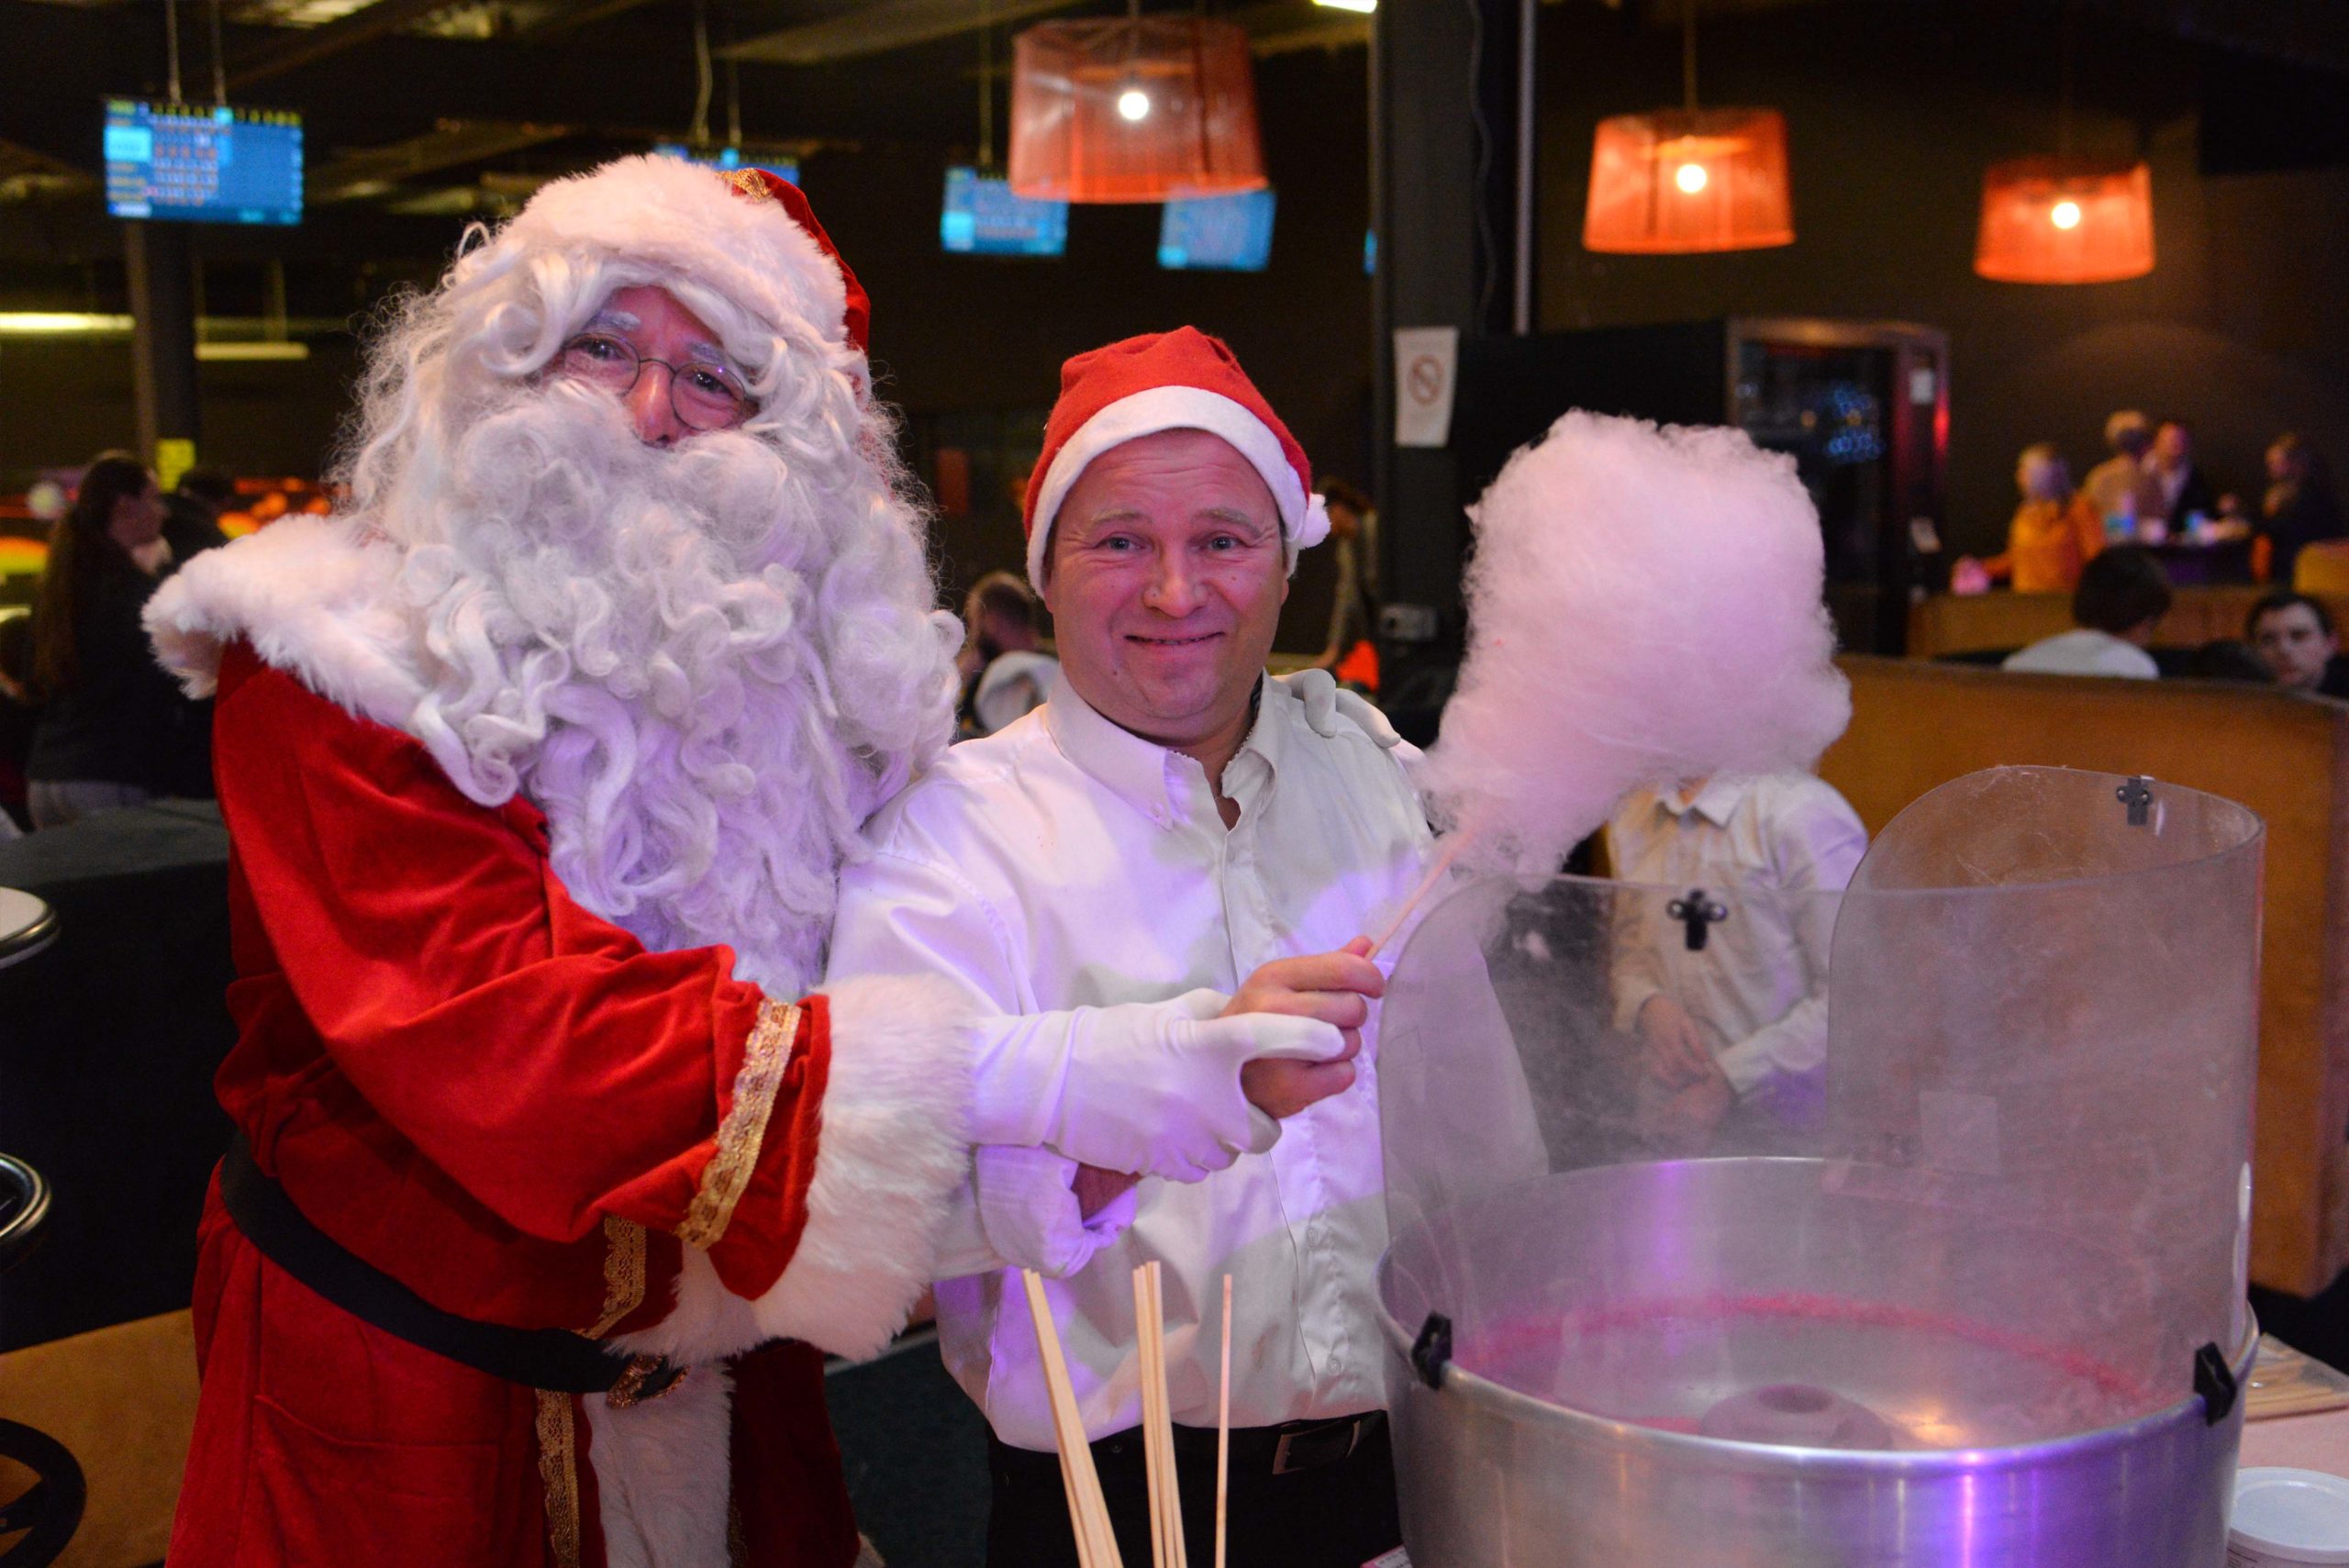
{"points": [[553, 1359], [1285, 1449]]}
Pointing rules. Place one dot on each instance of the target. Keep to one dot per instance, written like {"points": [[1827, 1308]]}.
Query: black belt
{"points": [[553, 1359], [1275, 1451]]}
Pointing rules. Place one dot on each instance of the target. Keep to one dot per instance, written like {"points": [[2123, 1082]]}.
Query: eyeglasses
{"points": [[706, 397]]}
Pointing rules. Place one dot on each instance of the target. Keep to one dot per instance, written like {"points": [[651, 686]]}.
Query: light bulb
{"points": [[2065, 215], [1133, 104], [1689, 177]]}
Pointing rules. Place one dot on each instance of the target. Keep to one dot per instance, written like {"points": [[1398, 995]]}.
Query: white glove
{"points": [[1327, 703], [1151, 1087], [1029, 1209]]}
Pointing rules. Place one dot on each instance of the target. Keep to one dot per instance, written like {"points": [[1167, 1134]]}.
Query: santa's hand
{"points": [[1150, 1087]]}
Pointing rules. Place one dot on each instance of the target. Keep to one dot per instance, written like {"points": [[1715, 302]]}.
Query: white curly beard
{"points": [[707, 664]]}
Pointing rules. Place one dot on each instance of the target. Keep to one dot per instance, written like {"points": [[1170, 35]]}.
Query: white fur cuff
{"points": [[892, 1152]]}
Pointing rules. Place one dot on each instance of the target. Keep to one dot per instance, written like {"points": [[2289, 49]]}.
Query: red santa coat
{"points": [[511, 1106]]}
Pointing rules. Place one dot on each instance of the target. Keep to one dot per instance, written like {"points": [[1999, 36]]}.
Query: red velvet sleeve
{"points": [[540, 1055]]}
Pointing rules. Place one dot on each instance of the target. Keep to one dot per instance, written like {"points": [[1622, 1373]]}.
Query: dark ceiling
{"points": [[420, 112], [434, 109]]}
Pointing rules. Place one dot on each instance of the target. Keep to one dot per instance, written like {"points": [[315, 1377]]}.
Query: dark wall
{"points": [[1893, 113], [64, 399]]}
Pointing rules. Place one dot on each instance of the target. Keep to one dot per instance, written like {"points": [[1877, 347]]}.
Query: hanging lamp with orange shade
{"points": [[1688, 181], [1134, 110], [2066, 220]]}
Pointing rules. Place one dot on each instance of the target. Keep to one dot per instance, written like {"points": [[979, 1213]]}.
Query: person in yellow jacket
{"points": [[2055, 532]]}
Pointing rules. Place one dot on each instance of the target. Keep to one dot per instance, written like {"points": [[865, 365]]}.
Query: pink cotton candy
{"points": [[1643, 607]]}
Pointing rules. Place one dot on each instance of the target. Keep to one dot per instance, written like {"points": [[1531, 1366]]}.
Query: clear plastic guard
{"points": [[1958, 1158]]}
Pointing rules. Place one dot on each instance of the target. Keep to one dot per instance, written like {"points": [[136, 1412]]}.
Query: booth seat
{"points": [[2322, 569], [1915, 726], [1948, 625]]}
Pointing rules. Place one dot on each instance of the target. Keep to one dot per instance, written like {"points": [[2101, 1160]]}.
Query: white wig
{"points": [[708, 664]]}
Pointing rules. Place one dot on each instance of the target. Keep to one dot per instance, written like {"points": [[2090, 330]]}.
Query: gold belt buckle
{"points": [[1315, 1436], [657, 1372]]}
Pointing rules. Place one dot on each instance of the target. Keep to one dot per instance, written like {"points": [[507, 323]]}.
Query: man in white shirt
{"points": [[1010, 673], [1172, 830], [2121, 597], [1739, 1024]]}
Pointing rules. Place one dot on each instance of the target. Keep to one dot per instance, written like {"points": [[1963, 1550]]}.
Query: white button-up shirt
{"points": [[1066, 863], [1778, 848]]}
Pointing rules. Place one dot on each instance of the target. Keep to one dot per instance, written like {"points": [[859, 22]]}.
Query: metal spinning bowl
{"points": [[1969, 1291]]}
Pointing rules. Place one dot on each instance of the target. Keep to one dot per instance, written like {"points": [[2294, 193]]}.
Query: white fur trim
{"points": [[890, 1156], [663, 1474], [1157, 408], [664, 212], [315, 598]]}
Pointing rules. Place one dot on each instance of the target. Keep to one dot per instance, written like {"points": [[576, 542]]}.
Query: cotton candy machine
{"points": [[1953, 1273]]}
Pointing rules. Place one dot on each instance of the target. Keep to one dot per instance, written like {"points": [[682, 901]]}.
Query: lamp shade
{"points": [[1135, 109], [1690, 180], [2066, 220]]}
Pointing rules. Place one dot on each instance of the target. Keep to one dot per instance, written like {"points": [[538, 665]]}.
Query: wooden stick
{"points": [[1223, 1429], [1152, 1376], [1157, 1419], [1454, 842], [1181, 1558], [1097, 1544]]}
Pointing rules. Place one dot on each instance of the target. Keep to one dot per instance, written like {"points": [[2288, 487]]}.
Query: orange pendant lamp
{"points": [[2066, 220], [1685, 181], [1134, 110]]}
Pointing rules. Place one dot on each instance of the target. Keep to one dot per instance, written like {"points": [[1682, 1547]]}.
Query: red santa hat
{"points": [[1181, 380], [746, 234]]}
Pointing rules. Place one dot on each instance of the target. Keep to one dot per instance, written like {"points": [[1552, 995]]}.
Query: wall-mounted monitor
{"points": [[982, 217], [1231, 234], [202, 165], [730, 157]]}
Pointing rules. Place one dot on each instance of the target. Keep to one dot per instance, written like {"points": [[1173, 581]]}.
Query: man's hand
{"points": [[1675, 1050], [1336, 988]]}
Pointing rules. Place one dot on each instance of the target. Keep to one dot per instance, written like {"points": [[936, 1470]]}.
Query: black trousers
{"points": [[1338, 1513]]}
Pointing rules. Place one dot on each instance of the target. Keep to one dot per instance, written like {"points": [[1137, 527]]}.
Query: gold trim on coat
{"points": [[744, 1130]]}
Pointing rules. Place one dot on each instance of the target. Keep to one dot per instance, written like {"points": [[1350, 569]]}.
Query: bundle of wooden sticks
{"points": [[1097, 1544]]}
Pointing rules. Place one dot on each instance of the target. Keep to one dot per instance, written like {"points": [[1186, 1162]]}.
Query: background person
{"points": [[192, 520], [114, 728], [2052, 534], [1354, 540], [2123, 489], [2185, 492], [1010, 674], [2294, 637], [2299, 507], [2121, 597], [1740, 1026]]}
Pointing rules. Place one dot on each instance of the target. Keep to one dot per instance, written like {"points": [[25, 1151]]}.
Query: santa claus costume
{"points": [[539, 763]]}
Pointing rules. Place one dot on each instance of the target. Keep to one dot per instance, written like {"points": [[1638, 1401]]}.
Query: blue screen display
{"points": [[731, 158], [1229, 233], [202, 165], [982, 217]]}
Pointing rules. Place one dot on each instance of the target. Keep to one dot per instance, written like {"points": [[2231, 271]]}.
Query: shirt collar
{"points": [[1715, 802], [1141, 772]]}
